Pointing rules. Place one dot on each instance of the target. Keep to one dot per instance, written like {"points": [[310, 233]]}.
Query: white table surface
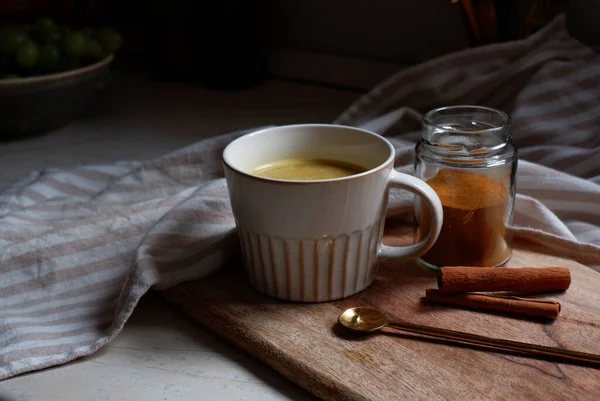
{"points": [[160, 354]]}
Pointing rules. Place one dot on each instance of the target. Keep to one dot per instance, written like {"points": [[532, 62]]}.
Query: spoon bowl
{"points": [[363, 319]]}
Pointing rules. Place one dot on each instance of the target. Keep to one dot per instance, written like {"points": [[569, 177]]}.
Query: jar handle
{"points": [[433, 203]]}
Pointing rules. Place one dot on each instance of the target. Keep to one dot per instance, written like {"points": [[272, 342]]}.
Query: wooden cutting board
{"points": [[305, 343]]}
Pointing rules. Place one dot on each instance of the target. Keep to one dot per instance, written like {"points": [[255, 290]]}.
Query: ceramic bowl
{"points": [[35, 105]]}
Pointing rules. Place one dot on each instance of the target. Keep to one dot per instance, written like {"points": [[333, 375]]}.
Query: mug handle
{"points": [[431, 199]]}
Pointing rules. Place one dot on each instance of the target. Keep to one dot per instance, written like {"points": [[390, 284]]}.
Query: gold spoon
{"points": [[366, 319]]}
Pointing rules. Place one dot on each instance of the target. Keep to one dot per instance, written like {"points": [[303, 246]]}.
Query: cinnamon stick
{"points": [[507, 304], [456, 279]]}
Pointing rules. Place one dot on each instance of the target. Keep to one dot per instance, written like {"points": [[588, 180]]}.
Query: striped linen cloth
{"points": [[79, 247]]}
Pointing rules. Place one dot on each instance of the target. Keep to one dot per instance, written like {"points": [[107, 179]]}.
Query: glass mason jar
{"points": [[466, 155]]}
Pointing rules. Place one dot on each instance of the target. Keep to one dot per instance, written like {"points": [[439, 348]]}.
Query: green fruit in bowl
{"points": [[52, 37], [94, 50], [88, 32], [12, 39], [42, 46], [75, 43], [49, 56], [27, 54], [110, 40], [45, 24], [45, 30]]}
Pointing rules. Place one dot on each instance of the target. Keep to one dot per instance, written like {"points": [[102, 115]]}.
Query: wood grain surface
{"points": [[305, 343]]}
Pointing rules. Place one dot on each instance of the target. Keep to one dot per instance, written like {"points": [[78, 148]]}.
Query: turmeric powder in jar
{"points": [[466, 155]]}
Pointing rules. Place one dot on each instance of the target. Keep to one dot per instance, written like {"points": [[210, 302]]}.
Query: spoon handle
{"points": [[496, 342]]}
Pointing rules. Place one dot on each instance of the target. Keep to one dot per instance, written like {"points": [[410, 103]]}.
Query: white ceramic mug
{"points": [[318, 240]]}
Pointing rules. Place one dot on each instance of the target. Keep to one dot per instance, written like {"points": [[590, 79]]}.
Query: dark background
{"points": [[234, 44]]}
